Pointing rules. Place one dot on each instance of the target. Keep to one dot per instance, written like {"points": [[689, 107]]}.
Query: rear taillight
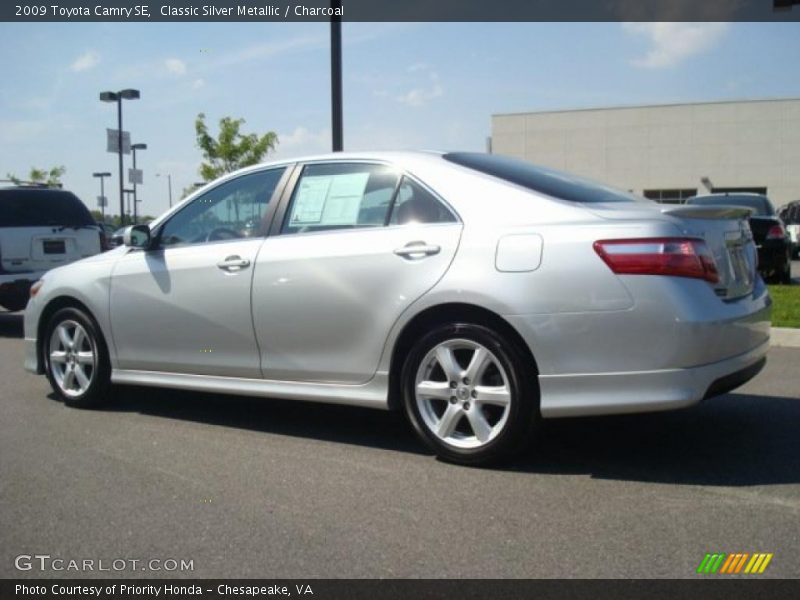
{"points": [[104, 242], [678, 257], [776, 232]]}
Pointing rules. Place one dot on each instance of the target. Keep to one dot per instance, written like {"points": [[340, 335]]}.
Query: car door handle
{"points": [[233, 264], [416, 250]]}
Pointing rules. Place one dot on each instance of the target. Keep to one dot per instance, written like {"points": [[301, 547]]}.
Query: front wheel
{"points": [[471, 395], [76, 359]]}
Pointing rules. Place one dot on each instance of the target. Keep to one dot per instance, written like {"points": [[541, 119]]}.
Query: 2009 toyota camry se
{"points": [[476, 292]]}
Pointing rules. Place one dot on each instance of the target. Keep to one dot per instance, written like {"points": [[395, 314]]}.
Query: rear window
{"points": [[760, 204], [541, 179], [42, 207]]}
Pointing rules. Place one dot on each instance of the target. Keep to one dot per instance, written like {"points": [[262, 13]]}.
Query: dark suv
{"points": [[40, 228], [769, 232]]}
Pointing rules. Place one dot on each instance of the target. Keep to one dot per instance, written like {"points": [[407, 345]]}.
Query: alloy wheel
{"points": [[73, 358], [463, 393]]}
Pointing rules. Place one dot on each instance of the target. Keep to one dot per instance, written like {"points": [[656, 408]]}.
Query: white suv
{"points": [[40, 228]]}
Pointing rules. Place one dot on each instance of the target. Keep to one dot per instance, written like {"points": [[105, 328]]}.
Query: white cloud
{"points": [[303, 141], [672, 43], [176, 66], [421, 95], [85, 61], [198, 83]]}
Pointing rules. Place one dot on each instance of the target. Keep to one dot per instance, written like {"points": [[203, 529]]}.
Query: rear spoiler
{"points": [[695, 211]]}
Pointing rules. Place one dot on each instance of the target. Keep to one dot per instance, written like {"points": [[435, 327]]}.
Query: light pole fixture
{"points": [[169, 186], [118, 97], [102, 177], [134, 148]]}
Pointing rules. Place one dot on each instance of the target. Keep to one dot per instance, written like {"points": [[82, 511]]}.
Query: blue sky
{"points": [[410, 85]]}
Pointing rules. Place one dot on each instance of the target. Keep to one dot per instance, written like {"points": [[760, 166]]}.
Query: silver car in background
{"points": [[475, 292]]}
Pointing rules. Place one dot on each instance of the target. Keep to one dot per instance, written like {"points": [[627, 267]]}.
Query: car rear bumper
{"points": [[646, 391]]}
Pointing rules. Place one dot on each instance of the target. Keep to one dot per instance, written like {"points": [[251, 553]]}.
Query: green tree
{"points": [[231, 149], [37, 175]]}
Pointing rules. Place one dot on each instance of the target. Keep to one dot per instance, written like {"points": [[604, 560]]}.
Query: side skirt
{"points": [[373, 394]]}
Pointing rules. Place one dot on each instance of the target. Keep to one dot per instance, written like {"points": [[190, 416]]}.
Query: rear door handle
{"points": [[233, 264], [416, 250]]}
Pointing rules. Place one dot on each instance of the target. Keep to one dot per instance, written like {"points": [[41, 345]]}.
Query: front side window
{"points": [[233, 210], [341, 196]]}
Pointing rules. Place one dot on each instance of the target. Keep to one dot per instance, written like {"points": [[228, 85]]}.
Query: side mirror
{"points": [[136, 236]]}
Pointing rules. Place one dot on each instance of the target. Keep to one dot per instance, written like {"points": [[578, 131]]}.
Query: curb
{"points": [[786, 337]]}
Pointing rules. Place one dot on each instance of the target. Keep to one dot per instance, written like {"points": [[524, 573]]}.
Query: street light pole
{"points": [[169, 186], [102, 177], [118, 97], [336, 79], [134, 148]]}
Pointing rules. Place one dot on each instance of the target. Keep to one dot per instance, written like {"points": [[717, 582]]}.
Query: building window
{"points": [[670, 196]]}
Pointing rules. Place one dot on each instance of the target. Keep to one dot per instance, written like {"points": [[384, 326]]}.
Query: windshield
{"points": [[542, 179], [42, 207], [760, 204]]}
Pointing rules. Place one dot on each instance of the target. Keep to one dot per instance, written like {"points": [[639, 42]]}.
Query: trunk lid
{"points": [[725, 230]]}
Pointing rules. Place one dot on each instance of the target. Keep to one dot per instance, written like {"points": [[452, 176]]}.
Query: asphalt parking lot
{"points": [[249, 488]]}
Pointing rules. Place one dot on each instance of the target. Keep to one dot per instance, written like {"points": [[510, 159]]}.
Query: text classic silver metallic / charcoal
{"points": [[478, 293]]}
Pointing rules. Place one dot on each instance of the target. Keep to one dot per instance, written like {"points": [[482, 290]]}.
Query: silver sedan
{"points": [[477, 293]]}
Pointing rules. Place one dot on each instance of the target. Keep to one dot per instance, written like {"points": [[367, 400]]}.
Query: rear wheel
{"points": [[470, 395], [76, 359]]}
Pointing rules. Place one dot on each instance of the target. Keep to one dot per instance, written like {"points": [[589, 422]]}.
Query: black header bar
{"points": [[401, 10]]}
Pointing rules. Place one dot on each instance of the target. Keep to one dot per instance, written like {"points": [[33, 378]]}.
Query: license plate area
{"points": [[54, 247], [742, 272]]}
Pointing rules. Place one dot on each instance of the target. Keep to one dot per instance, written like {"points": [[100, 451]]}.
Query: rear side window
{"points": [[414, 204], [42, 207], [541, 179]]}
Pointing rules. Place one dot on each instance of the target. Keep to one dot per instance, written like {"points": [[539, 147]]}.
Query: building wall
{"points": [[734, 144]]}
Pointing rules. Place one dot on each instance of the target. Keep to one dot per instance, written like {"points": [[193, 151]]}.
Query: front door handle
{"points": [[233, 264], [416, 250]]}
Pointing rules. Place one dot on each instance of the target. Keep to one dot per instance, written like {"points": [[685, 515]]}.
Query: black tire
{"points": [[96, 392], [522, 382]]}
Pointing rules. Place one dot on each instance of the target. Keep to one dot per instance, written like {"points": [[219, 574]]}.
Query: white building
{"points": [[666, 152]]}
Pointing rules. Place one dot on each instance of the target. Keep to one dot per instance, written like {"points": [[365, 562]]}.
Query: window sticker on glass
{"points": [[344, 199], [329, 200], [310, 200]]}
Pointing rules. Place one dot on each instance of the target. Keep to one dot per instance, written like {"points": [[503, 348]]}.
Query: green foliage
{"points": [[786, 305], [51, 177], [37, 175], [231, 149]]}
